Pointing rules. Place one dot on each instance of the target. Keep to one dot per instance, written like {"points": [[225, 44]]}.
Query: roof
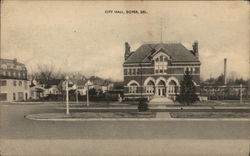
{"points": [[79, 82], [176, 51], [3, 61]]}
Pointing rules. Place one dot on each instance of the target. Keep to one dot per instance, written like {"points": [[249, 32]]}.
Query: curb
{"points": [[136, 119]]}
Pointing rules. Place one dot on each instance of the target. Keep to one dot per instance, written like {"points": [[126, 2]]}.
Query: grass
{"points": [[96, 115], [209, 115]]}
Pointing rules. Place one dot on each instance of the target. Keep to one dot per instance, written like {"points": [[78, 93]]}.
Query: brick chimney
{"points": [[127, 50], [196, 49], [15, 62]]}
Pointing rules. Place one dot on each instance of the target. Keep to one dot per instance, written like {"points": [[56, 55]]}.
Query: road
{"points": [[111, 137]]}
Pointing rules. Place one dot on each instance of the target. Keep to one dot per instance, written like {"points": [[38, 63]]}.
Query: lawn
{"points": [[94, 115], [210, 115]]}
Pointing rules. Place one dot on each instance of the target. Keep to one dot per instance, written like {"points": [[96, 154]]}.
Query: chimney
{"points": [[195, 49], [15, 62], [225, 71], [127, 50]]}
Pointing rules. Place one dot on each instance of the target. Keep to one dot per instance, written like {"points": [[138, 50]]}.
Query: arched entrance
{"points": [[160, 87]]}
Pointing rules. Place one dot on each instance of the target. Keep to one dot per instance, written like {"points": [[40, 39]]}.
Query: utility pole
{"points": [[141, 81], [241, 94], [67, 95], [87, 95]]}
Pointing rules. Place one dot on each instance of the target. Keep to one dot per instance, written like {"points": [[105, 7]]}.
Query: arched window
{"points": [[132, 86], [150, 87], [3, 66]]}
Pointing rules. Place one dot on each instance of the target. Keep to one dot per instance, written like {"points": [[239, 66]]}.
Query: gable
{"points": [[160, 53]]}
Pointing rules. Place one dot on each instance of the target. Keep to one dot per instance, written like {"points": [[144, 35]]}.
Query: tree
{"points": [[188, 90], [220, 80]]}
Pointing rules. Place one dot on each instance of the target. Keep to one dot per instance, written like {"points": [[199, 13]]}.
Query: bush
{"points": [[142, 106]]}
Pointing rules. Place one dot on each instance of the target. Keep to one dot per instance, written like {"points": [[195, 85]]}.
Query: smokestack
{"points": [[127, 50], [196, 49], [225, 71]]}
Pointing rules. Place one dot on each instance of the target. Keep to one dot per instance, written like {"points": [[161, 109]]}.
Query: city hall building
{"points": [[156, 70], [14, 85]]}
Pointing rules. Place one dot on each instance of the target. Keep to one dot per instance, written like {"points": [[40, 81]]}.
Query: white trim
{"points": [[186, 63], [138, 94], [159, 79], [137, 67], [148, 79], [174, 79], [133, 81], [159, 74], [159, 53], [195, 83], [136, 63], [168, 67]]}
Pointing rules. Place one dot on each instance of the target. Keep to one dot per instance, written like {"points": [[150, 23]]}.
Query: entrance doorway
{"points": [[161, 89]]}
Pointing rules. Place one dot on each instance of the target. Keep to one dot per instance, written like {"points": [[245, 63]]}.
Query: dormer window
{"points": [[161, 64]]}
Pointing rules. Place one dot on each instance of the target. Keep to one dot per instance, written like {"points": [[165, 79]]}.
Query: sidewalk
{"points": [[167, 108]]}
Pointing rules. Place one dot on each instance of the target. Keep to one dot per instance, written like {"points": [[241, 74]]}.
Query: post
{"points": [[67, 95], [107, 93], [141, 81], [240, 93], [76, 96], [225, 71], [87, 95]]}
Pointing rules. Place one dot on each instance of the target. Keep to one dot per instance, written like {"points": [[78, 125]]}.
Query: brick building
{"points": [[156, 70], [14, 85]]}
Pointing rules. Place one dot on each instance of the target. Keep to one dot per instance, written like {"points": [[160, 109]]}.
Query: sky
{"points": [[78, 36]]}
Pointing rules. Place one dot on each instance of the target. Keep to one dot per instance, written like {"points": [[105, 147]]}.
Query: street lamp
{"points": [[67, 95]]}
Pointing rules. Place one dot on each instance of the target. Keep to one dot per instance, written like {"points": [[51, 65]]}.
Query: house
{"points": [[52, 87], [156, 70], [80, 85], [13, 81], [100, 84], [36, 90]]}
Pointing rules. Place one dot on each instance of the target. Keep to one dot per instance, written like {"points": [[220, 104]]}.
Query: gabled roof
{"points": [[176, 51]]}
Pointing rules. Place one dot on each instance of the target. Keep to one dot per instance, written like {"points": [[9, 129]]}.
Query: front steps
{"points": [[160, 101]]}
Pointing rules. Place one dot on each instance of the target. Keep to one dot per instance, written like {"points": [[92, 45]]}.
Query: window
{"points": [[14, 96], [131, 71], [150, 89], [161, 64], [4, 66], [14, 83], [20, 96], [132, 89], [125, 71], [190, 69], [3, 83], [20, 83], [25, 85], [134, 71], [3, 96]]}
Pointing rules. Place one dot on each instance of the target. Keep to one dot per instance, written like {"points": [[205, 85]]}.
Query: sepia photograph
{"points": [[124, 78]]}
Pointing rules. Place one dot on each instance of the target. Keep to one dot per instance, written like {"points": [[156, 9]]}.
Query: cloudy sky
{"points": [[80, 36]]}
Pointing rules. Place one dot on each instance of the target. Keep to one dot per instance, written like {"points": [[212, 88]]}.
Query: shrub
{"points": [[142, 106]]}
